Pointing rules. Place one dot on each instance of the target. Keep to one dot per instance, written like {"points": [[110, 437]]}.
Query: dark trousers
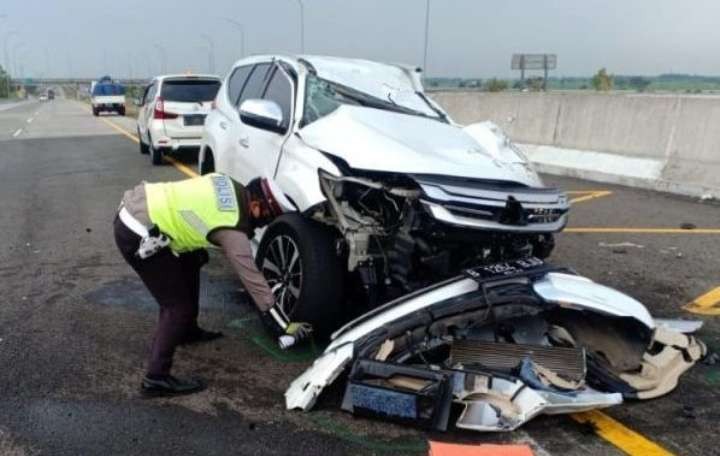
{"points": [[174, 282]]}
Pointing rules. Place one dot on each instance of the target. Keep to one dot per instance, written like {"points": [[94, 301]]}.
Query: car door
{"points": [[145, 113], [220, 123], [246, 165], [266, 146], [141, 119]]}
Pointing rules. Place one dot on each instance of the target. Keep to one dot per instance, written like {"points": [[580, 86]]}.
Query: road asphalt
{"points": [[75, 322]]}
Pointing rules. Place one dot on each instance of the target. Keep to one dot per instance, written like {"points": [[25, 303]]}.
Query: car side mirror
{"points": [[263, 114]]}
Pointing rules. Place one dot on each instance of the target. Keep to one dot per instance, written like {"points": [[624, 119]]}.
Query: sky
{"points": [[467, 38]]}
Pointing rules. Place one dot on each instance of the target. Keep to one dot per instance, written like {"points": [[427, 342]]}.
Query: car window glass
{"points": [[279, 90], [152, 92], [145, 98], [255, 83], [321, 99], [190, 90], [237, 82]]}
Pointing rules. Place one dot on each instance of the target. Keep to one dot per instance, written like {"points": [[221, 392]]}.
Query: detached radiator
{"points": [[504, 357]]}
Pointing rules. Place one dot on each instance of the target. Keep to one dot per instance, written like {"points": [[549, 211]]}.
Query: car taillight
{"points": [[159, 111]]}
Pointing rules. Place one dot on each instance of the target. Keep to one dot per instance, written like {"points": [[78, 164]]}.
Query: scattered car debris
{"points": [[683, 326], [505, 342], [688, 226], [707, 197]]}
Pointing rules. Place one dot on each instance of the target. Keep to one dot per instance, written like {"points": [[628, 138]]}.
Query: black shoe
{"points": [[170, 386], [199, 336]]}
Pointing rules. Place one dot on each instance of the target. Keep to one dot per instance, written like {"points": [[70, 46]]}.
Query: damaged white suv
{"points": [[392, 194]]}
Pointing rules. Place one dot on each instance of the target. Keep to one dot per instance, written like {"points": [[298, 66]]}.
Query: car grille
{"points": [[494, 206]]}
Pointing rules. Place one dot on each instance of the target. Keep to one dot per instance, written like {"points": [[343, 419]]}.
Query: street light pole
{"points": [[14, 55], [302, 26], [47, 63], [2, 18], [427, 30], [8, 36], [240, 27], [211, 53], [163, 58]]}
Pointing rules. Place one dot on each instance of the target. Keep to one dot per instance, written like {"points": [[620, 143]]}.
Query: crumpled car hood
{"points": [[379, 140]]}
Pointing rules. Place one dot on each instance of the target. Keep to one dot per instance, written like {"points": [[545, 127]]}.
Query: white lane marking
{"points": [[30, 120], [17, 132]]}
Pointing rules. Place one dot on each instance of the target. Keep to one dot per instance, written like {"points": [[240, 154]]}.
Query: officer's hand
{"points": [[299, 329], [295, 332]]}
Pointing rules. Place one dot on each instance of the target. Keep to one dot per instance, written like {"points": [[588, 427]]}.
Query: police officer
{"points": [[162, 231]]}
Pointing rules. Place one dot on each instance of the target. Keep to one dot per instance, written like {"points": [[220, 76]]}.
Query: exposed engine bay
{"points": [[395, 242], [499, 346]]}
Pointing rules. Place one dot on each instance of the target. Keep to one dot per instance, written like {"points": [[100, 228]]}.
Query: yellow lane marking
{"points": [[180, 166], [582, 192], [619, 435], [592, 195], [707, 304], [118, 128], [611, 230]]}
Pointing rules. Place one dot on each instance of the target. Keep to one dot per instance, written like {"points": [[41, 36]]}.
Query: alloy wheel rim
{"points": [[282, 269]]}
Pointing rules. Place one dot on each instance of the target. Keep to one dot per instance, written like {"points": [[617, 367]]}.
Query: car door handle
{"points": [[244, 141], [223, 125]]}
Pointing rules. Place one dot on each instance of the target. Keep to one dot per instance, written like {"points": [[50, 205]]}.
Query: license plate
{"points": [[194, 120], [507, 269]]}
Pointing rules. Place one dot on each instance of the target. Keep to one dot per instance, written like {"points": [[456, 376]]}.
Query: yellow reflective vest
{"points": [[188, 211]]}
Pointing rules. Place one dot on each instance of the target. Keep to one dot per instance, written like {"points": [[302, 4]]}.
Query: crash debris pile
{"points": [[505, 343]]}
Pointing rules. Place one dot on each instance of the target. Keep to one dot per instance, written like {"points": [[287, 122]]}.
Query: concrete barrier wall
{"points": [[668, 143]]}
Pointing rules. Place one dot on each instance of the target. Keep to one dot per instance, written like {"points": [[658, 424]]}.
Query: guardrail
{"points": [[663, 142]]}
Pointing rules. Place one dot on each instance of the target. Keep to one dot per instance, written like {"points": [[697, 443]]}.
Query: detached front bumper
{"points": [[494, 207]]}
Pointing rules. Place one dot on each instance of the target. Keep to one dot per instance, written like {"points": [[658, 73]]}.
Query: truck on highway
{"points": [[108, 96]]}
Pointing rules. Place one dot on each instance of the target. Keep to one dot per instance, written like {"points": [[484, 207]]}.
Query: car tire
{"points": [[156, 155], [319, 298], [144, 148], [95, 112], [207, 165], [121, 112]]}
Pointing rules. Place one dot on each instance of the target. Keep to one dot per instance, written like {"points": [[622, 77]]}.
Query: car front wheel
{"points": [[298, 258]]}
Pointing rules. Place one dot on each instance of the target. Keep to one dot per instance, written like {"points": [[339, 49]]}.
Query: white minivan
{"points": [[172, 113]]}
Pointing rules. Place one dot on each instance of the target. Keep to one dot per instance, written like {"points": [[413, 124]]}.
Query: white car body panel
{"points": [[176, 128], [394, 142], [297, 173], [569, 290], [580, 292]]}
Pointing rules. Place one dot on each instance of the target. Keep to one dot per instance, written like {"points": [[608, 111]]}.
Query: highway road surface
{"points": [[75, 321]]}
